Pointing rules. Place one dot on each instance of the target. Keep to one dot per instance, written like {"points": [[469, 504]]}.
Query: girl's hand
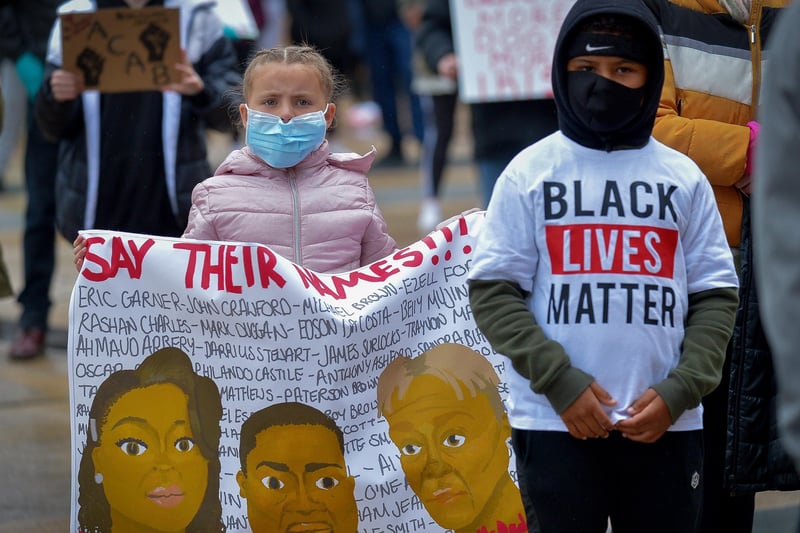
{"points": [[650, 418], [585, 417], [79, 251]]}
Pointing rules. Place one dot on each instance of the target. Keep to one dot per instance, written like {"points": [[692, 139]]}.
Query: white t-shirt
{"points": [[609, 245]]}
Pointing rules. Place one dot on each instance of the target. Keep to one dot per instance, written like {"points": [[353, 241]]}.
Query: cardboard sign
{"points": [[120, 50], [505, 47]]}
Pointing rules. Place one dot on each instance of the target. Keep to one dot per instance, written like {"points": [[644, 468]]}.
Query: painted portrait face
{"points": [[153, 475], [297, 482], [453, 451]]}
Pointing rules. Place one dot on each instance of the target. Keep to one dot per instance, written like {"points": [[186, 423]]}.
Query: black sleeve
{"points": [[56, 120], [221, 76], [435, 35]]}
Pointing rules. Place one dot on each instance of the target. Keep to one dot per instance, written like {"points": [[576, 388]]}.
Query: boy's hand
{"points": [[585, 417], [650, 418], [79, 251]]}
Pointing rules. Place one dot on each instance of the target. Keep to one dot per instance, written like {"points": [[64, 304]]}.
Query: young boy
{"points": [[602, 272]]}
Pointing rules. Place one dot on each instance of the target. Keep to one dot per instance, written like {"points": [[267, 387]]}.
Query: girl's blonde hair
{"points": [[304, 54]]}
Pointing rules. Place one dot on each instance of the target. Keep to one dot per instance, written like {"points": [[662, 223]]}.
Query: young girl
{"points": [[285, 189]]}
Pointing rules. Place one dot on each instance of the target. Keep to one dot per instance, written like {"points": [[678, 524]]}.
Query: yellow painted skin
{"points": [[154, 477], [454, 454], [297, 481]]}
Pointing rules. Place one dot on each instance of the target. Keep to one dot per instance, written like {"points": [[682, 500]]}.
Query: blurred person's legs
{"points": [[14, 98], [41, 159], [388, 55], [439, 112]]}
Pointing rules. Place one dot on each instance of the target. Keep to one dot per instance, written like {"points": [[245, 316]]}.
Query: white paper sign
{"points": [[261, 331], [505, 47]]}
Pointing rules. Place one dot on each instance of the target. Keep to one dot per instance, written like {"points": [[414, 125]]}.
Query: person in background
{"points": [[500, 129], [776, 217], [388, 51], [24, 31], [715, 51], [438, 98], [14, 121], [327, 25], [128, 161], [603, 274], [285, 189], [5, 279]]}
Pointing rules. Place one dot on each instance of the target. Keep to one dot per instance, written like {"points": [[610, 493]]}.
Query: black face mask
{"points": [[602, 105]]}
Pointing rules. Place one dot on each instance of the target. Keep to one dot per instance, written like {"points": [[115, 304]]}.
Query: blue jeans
{"points": [[489, 169], [41, 162], [388, 53]]}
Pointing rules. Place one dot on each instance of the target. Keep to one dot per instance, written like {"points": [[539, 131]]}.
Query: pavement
{"points": [[34, 396]]}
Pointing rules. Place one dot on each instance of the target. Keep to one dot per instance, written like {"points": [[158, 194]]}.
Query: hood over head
{"points": [[645, 48]]}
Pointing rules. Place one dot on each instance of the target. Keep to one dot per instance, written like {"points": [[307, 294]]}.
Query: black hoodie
{"points": [[637, 132]]}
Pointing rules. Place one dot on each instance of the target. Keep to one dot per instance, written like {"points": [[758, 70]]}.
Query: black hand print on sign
{"points": [[155, 39], [91, 64]]}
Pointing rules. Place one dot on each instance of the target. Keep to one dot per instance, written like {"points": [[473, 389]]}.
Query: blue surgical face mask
{"points": [[284, 144]]}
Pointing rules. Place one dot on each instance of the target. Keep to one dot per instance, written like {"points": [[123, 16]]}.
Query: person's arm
{"points": [[709, 325], [198, 225], [376, 243], [217, 67], [718, 148], [708, 329], [503, 316], [434, 37]]}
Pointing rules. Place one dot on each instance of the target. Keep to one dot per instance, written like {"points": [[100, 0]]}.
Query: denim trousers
{"points": [[41, 164], [388, 53]]}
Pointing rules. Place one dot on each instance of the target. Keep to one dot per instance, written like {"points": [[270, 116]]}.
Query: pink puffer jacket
{"points": [[320, 214]]}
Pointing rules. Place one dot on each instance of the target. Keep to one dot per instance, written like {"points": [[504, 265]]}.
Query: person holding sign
{"points": [[500, 129], [151, 458], [129, 159], [285, 189], [602, 272]]}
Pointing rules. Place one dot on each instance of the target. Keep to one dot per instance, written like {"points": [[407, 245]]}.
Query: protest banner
{"points": [[122, 49], [505, 47], [267, 340]]}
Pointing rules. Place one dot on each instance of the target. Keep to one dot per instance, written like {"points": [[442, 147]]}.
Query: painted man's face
{"points": [[153, 474], [297, 482], [453, 452]]}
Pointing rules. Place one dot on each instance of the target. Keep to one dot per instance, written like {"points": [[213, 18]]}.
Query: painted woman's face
{"points": [[453, 451], [153, 473]]}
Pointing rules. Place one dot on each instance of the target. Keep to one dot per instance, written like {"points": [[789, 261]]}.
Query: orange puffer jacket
{"points": [[713, 66]]}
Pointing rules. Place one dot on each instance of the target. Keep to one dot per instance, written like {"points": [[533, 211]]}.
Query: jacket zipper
{"points": [[755, 50], [298, 257]]}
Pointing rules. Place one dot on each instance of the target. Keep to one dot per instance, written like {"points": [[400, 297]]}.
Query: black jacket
{"points": [[499, 129], [25, 26], [754, 458]]}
